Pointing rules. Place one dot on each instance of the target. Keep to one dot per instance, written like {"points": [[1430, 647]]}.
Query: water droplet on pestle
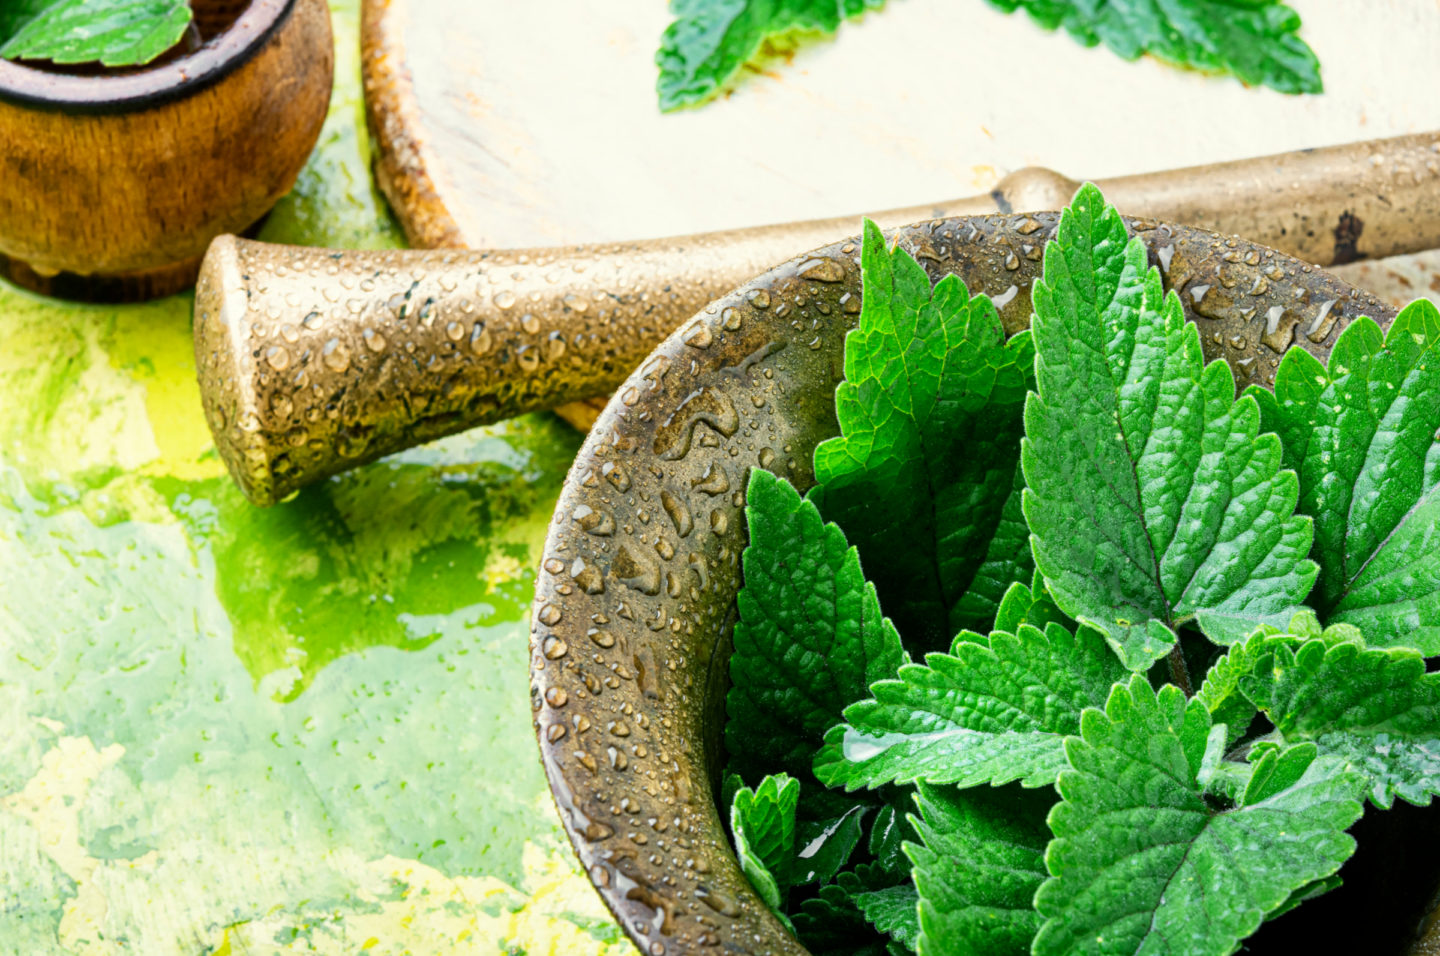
{"points": [[698, 335], [1325, 320], [480, 339], [822, 270], [679, 513], [588, 576], [335, 355]]}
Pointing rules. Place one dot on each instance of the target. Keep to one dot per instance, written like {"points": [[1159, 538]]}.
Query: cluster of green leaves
{"points": [[1089, 510], [1256, 41], [114, 33]]}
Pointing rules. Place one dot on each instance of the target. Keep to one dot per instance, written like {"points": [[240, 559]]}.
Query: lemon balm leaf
{"points": [[763, 823], [930, 418], [1377, 709], [1256, 41], [892, 911], [709, 41], [1362, 434], [980, 859], [988, 712], [810, 639], [1141, 860], [1029, 605], [110, 32], [1151, 496]]}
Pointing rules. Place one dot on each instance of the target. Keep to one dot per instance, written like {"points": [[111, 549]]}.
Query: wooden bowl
{"points": [[113, 182], [635, 598]]}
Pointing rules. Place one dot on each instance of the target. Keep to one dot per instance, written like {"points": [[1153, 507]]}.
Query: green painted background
{"points": [[233, 730]]}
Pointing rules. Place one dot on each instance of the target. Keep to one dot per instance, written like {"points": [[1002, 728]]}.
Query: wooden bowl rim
{"points": [[41, 89], [618, 456]]}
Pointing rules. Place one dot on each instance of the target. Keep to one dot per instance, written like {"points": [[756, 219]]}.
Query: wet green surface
{"points": [[230, 730]]}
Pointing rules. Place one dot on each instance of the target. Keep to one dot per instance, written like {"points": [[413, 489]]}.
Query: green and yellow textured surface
{"points": [[302, 729]]}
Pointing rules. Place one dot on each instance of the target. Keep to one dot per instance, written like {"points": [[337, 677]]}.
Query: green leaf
{"points": [[982, 714], [710, 40], [1151, 497], [1362, 434], [1219, 776], [810, 638], [1029, 605], [981, 861], [1141, 863], [112, 32], [930, 418], [892, 911], [822, 847], [1007, 556], [1300, 379], [1221, 691], [15, 13], [763, 822], [831, 923], [1253, 40], [1303, 895], [889, 833], [1376, 709]]}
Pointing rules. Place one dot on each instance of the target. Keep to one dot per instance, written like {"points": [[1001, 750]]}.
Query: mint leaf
{"points": [[1029, 605], [892, 911], [1362, 434], [810, 638], [763, 822], [889, 833], [1377, 709], [112, 32], [822, 847], [710, 40], [1221, 693], [1142, 863], [15, 13], [1253, 40], [1151, 498], [982, 714], [831, 923], [1303, 895], [1007, 557], [978, 867], [930, 418], [1300, 379]]}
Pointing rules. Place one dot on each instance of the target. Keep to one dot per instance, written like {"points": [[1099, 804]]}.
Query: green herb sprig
{"points": [[1257, 41], [1052, 779], [114, 33]]}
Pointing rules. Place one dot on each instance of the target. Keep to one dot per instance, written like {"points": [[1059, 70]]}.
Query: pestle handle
{"points": [[312, 361]]}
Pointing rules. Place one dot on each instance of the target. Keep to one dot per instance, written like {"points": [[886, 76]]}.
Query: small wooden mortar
{"points": [[635, 599], [113, 182]]}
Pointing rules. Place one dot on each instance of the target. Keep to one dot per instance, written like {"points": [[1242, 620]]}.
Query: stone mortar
{"points": [[635, 599]]}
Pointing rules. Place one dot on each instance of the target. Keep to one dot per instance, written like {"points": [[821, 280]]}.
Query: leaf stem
{"points": [[1179, 671]]}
